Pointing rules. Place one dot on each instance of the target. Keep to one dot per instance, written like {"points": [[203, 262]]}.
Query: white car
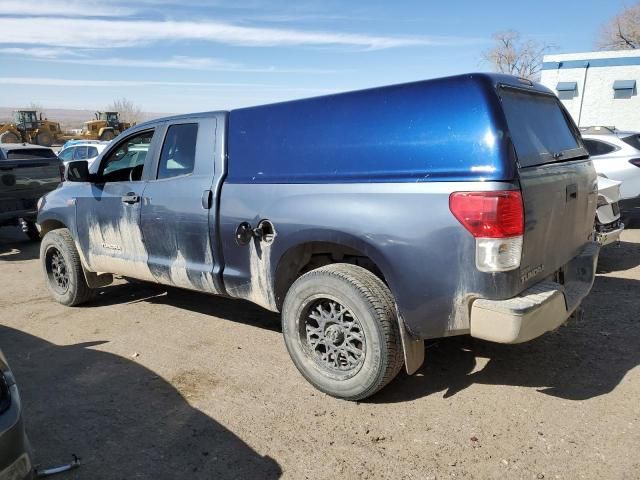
{"points": [[81, 150], [615, 155], [608, 224]]}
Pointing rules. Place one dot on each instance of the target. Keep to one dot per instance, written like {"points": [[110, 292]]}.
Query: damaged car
{"points": [[608, 224], [371, 220], [15, 454]]}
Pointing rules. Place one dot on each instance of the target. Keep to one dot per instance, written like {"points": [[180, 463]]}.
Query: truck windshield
{"points": [[539, 129]]}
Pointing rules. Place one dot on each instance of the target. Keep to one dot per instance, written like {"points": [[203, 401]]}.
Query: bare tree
{"points": [[511, 54], [37, 107], [622, 32], [129, 111]]}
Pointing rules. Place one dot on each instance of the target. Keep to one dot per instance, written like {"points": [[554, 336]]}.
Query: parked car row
{"points": [[81, 150]]}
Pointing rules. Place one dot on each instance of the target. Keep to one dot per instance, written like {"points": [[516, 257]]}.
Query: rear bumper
{"points": [[605, 236], [539, 309]]}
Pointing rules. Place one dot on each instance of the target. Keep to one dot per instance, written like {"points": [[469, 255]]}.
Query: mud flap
{"points": [[413, 349], [97, 280]]}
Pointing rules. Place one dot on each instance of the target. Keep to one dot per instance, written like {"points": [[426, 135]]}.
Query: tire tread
{"points": [[381, 300], [82, 292]]}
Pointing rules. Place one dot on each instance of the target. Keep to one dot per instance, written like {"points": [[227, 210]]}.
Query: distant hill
{"points": [[69, 118]]}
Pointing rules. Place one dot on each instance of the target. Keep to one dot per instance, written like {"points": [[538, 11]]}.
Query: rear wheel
{"points": [[44, 139], [341, 330], [9, 137], [62, 268]]}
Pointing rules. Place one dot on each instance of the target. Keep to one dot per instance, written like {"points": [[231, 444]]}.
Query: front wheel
{"points": [[107, 135], [341, 330], [44, 139], [9, 137], [62, 268]]}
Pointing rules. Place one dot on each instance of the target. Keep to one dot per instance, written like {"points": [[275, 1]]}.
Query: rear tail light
{"points": [[496, 220], [635, 162]]}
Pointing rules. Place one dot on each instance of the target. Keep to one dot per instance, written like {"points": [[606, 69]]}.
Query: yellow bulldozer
{"points": [[28, 127], [106, 126]]}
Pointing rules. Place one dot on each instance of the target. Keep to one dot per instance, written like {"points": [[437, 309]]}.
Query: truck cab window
{"points": [[178, 151], [126, 162]]}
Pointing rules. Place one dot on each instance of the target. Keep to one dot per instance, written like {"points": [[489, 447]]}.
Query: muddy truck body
{"points": [[372, 220]]}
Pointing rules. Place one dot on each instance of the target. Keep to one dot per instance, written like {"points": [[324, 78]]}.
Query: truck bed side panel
{"points": [[426, 256]]}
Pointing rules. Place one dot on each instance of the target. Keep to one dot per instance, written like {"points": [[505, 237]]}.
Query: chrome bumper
{"points": [[539, 309]]}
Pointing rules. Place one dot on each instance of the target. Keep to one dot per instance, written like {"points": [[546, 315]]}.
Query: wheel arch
{"points": [[333, 247], [51, 224]]}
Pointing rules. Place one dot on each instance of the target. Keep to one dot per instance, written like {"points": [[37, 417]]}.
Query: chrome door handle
{"points": [[131, 198]]}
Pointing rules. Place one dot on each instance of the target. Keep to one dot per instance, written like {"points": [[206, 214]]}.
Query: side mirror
{"points": [[77, 171]]}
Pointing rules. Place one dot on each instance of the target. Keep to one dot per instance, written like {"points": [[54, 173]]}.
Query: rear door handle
{"points": [[131, 198], [572, 192]]}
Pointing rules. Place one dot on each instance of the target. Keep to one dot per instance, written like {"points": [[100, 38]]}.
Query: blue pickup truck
{"points": [[372, 220]]}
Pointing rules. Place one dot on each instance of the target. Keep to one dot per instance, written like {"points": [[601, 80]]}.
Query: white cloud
{"points": [[102, 33], [75, 83], [41, 52], [179, 63], [74, 8]]}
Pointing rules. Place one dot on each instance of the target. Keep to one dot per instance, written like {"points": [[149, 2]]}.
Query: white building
{"points": [[598, 88]]}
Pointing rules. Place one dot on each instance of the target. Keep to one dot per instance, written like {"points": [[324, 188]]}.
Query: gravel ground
{"points": [[152, 383]]}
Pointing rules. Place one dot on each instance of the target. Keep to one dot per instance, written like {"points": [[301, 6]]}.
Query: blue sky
{"points": [[195, 55]]}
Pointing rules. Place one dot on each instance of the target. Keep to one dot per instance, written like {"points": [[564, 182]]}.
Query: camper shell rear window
{"points": [[539, 128]]}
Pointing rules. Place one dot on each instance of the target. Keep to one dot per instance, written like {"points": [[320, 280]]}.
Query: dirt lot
{"points": [[156, 384]]}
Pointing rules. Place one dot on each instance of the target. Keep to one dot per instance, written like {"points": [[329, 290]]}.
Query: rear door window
{"points": [[92, 152], [540, 131], [596, 147], [178, 155]]}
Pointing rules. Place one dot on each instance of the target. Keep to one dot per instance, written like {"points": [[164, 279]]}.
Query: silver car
{"points": [[608, 224], [15, 456], [616, 155]]}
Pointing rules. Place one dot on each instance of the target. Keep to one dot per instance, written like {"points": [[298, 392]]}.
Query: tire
{"points": [[107, 135], [9, 137], [75, 290], [317, 338], [44, 139], [32, 232]]}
